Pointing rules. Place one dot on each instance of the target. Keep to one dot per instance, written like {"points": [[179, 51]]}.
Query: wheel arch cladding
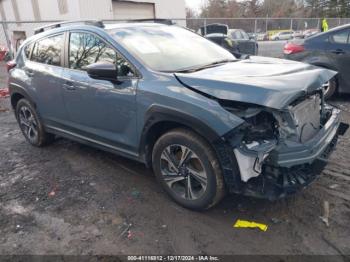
{"points": [[15, 98], [160, 119], [18, 94]]}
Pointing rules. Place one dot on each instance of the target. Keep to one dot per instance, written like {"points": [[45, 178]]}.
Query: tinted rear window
{"points": [[236, 35], [245, 35], [48, 51]]}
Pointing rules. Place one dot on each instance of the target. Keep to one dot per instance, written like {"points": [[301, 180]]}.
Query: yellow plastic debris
{"points": [[248, 224]]}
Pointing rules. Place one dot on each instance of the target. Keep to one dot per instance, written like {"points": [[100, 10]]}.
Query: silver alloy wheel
{"points": [[326, 87], [28, 124], [183, 172]]}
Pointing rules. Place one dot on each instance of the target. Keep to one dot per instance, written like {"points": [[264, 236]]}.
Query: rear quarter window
{"points": [[27, 50], [48, 50]]}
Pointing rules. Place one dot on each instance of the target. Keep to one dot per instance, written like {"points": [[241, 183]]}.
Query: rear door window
{"points": [[48, 51]]}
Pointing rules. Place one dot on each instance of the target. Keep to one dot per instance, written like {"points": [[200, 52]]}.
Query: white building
{"points": [[49, 10]]}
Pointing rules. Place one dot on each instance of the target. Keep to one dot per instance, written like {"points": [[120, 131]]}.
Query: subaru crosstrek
{"points": [[206, 122]]}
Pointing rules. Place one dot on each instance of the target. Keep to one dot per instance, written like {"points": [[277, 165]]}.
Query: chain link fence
{"points": [[264, 25], [13, 33], [4, 96]]}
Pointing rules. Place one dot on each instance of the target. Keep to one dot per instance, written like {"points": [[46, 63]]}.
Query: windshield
{"points": [[169, 48]]}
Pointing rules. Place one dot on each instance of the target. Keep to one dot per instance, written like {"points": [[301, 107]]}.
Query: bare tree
{"points": [[190, 13], [276, 8], [251, 8]]}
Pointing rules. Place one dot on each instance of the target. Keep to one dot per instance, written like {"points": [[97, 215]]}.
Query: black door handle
{"points": [[338, 51]]}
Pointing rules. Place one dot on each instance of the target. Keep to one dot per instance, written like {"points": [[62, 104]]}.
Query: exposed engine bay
{"points": [[301, 121], [267, 130]]}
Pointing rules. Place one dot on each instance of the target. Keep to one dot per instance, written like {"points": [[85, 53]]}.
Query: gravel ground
{"points": [[68, 198]]}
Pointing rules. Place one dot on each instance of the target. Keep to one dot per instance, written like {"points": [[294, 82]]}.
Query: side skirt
{"points": [[93, 143]]}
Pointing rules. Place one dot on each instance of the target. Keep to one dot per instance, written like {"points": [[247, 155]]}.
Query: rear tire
{"points": [[188, 170], [31, 125]]}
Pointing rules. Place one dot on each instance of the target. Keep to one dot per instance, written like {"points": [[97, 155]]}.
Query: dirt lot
{"points": [[72, 199], [271, 48]]}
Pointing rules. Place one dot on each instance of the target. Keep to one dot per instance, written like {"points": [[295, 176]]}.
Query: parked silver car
{"points": [[287, 35]]}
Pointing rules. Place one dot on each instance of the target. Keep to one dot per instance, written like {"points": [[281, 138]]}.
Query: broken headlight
{"points": [[262, 126], [254, 140]]}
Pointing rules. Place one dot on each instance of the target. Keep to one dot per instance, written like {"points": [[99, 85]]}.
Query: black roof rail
{"points": [[154, 20], [96, 23]]}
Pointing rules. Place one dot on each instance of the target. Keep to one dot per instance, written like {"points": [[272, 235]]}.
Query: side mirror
{"points": [[103, 71]]}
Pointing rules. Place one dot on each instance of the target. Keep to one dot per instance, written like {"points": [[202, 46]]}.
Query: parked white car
{"points": [[298, 34], [283, 36], [311, 32]]}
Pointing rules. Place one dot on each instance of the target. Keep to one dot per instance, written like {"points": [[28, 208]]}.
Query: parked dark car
{"points": [[239, 39], [206, 122], [328, 50], [226, 43], [253, 36]]}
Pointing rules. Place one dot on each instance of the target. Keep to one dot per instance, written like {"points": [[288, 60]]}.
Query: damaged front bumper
{"points": [[274, 171], [295, 154]]}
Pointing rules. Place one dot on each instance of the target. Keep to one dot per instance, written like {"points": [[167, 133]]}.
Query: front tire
{"points": [[31, 125], [187, 168]]}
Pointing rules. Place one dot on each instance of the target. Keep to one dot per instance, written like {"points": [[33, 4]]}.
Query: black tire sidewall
{"points": [[41, 133], [200, 149], [332, 88]]}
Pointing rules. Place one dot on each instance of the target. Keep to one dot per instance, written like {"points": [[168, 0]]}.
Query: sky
{"points": [[195, 4]]}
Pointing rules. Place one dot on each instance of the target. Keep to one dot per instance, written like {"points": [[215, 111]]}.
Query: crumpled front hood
{"points": [[269, 82]]}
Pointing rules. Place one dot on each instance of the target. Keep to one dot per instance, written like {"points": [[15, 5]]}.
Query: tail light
{"points": [[292, 48], [10, 65]]}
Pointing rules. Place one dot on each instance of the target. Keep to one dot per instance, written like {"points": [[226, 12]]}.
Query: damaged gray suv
{"points": [[206, 122]]}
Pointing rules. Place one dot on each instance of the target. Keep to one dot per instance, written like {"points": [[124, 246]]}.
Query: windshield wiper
{"points": [[224, 61], [202, 67]]}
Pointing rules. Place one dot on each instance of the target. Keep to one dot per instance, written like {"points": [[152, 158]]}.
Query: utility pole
{"points": [[4, 28]]}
